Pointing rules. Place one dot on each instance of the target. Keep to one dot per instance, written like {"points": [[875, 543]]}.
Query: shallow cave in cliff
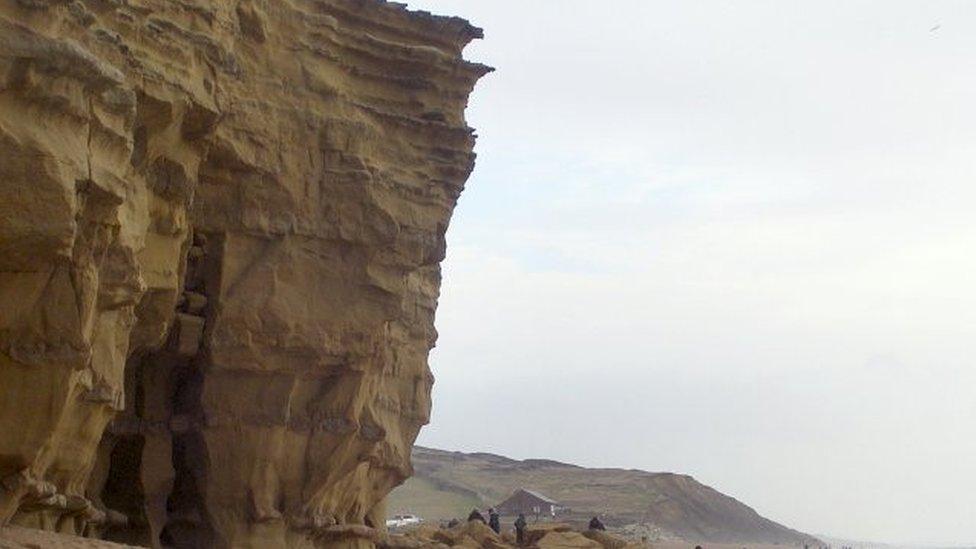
{"points": [[158, 461], [187, 523], [123, 489]]}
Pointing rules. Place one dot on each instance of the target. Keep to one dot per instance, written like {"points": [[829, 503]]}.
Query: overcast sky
{"points": [[729, 239]]}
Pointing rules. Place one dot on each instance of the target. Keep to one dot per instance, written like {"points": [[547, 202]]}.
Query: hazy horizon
{"points": [[731, 241], [836, 541]]}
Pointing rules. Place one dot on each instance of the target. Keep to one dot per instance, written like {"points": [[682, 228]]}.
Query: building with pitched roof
{"points": [[529, 502]]}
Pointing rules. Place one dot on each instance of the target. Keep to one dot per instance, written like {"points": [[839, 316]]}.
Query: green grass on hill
{"points": [[449, 484], [422, 497]]}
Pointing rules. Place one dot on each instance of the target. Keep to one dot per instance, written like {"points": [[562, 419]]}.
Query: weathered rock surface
{"points": [[476, 535], [221, 223], [607, 539], [567, 539], [16, 537]]}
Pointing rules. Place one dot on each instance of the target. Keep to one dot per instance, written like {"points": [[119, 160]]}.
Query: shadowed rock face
{"points": [[221, 224]]}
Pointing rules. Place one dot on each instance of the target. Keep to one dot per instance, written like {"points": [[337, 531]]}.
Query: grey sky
{"points": [[731, 239]]}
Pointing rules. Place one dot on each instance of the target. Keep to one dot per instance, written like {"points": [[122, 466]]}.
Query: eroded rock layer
{"points": [[221, 223]]}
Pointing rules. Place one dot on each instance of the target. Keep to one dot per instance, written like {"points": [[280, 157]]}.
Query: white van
{"points": [[399, 521]]}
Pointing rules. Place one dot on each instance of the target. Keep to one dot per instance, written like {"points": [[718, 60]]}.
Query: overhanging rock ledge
{"points": [[221, 223]]}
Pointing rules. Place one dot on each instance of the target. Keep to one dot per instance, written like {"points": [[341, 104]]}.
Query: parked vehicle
{"points": [[400, 521]]}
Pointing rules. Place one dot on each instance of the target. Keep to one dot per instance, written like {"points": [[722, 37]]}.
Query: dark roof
{"points": [[534, 494]]}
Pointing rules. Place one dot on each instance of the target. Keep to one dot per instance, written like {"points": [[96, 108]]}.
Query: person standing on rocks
{"points": [[476, 515], [520, 529], [494, 521]]}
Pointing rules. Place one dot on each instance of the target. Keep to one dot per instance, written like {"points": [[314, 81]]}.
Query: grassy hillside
{"points": [[663, 505], [423, 497]]}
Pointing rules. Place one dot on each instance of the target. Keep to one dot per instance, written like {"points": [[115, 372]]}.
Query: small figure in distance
{"points": [[494, 521], [520, 529], [595, 524], [476, 515]]}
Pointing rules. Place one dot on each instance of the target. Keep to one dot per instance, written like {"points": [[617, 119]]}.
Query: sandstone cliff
{"points": [[221, 223]]}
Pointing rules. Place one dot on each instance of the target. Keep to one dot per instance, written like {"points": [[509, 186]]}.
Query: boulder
{"points": [[606, 539], [563, 539], [536, 531]]}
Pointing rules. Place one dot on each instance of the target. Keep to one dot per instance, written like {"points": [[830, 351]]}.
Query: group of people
{"points": [[494, 522]]}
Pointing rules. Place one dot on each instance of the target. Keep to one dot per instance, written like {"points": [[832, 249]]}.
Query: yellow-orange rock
{"points": [[609, 540], [472, 533], [15, 537], [535, 531], [569, 540], [476, 535], [221, 223]]}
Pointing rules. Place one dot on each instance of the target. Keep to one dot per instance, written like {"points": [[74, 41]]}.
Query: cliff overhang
{"points": [[221, 223]]}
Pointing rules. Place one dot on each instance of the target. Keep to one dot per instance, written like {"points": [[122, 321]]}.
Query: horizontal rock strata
{"points": [[221, 223]]}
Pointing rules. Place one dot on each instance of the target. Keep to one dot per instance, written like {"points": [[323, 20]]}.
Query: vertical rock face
{"points": [[221, 223]]}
